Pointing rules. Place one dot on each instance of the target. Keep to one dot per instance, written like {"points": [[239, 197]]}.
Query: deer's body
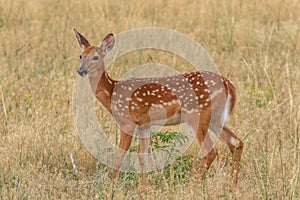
{"points": [[203, 100]]}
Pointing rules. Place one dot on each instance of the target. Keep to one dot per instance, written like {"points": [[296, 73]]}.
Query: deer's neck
{"points": [[103, 87]]}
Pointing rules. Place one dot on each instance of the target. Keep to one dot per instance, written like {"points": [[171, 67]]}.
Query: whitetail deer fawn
{"points": [[203, 100]]}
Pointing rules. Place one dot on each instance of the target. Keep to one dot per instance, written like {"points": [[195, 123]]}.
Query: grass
{"points": [[255, 44]]}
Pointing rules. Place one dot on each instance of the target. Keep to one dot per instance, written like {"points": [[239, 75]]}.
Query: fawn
{"points": [[203, 100]]}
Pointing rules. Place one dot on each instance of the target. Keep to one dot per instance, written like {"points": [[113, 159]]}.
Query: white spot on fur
{"points": [[176, 101], [206, 90]]}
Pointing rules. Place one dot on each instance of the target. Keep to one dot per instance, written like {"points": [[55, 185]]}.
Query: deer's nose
{"points": [[82, 72]]}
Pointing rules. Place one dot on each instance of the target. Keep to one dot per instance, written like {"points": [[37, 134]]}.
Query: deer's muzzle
{"points": [[82, 72]]}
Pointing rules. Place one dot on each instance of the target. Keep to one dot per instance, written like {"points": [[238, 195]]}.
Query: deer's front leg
{"points": [[125, 141], [144, 138]]}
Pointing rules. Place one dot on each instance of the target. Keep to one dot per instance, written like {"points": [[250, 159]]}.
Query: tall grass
{"points": [[255, 44]]}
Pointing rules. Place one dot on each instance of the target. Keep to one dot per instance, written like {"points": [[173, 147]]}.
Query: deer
{"points": [[203, 100]]}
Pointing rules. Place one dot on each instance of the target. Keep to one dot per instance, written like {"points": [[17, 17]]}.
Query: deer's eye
{"points": [[95, 57], [80, 57]]}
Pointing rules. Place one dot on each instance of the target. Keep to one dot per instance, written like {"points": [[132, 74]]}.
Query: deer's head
{"points": [[92, 56]]}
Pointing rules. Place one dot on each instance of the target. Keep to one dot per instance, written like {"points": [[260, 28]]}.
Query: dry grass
{"points": [[255, 44]]}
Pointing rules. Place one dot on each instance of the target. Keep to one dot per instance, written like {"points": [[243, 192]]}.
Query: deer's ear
{"points": [[82, 41], [107, 43]]}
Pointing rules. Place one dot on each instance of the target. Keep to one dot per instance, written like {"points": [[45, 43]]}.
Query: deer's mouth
{"points": [[82, 72]]}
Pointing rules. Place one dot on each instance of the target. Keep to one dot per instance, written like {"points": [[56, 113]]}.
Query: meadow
{"points": [[255, 44]]}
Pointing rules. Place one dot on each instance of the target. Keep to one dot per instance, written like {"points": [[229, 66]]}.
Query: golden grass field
{"points": [[255, 44]]}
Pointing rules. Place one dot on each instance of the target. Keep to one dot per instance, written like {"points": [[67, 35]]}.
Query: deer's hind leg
{"points": [[236, 147], [208, 151], [207, 148]]}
